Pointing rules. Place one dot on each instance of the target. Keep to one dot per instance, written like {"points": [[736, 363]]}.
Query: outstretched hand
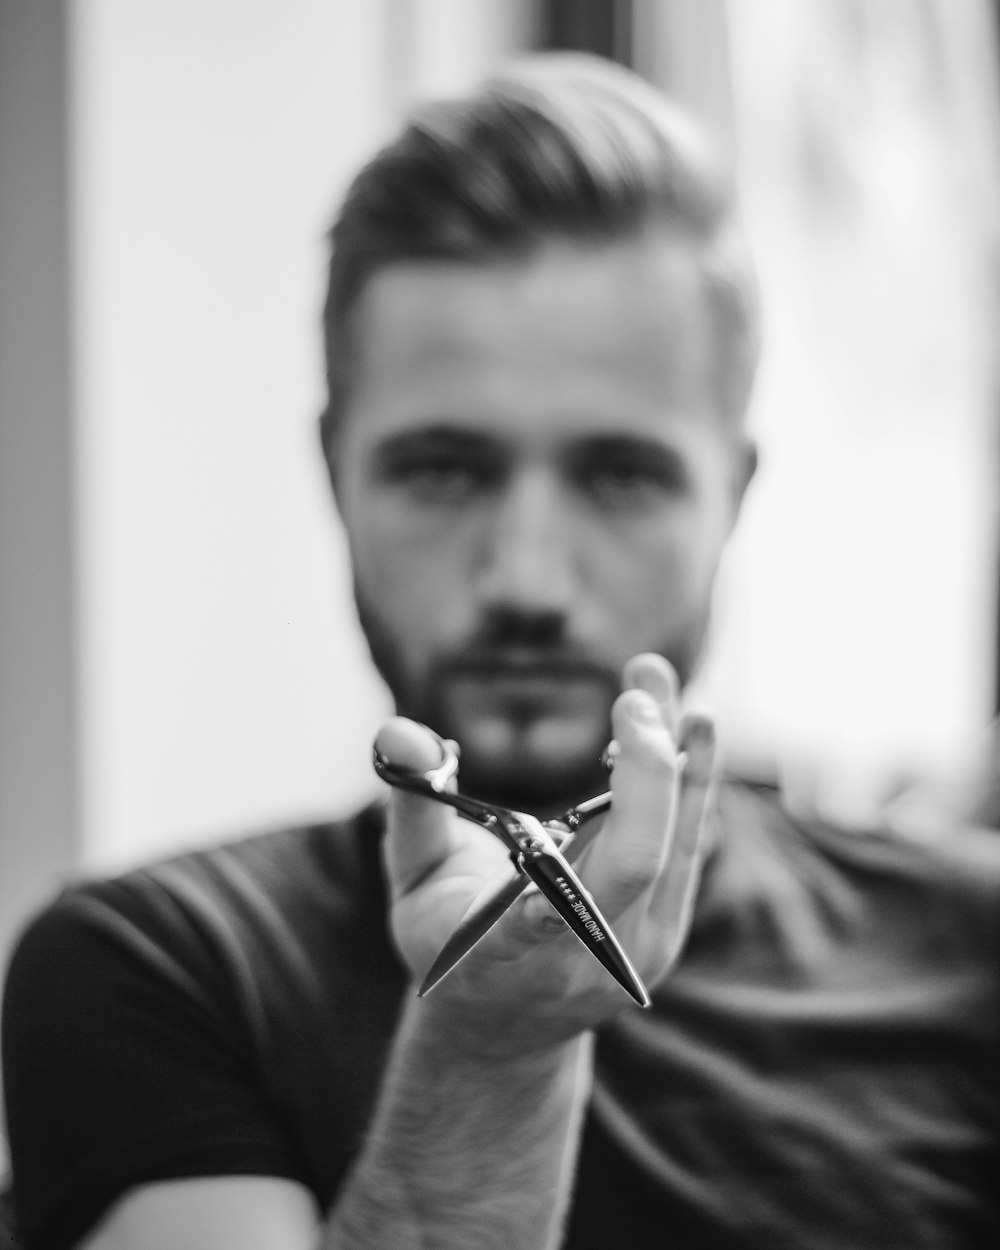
{"points": [[529, 979]]}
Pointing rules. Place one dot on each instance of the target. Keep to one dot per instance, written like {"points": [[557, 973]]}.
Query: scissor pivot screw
{"points": [[531, 846]]}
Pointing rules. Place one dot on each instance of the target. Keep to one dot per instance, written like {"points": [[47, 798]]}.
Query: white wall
{"points": [[861, 640], [224, 682]]}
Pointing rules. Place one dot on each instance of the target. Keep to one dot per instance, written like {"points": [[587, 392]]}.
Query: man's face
{"points": [[536, 485]]}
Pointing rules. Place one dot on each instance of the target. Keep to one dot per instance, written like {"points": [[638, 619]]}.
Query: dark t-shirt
{"points": [[820, 1072]]}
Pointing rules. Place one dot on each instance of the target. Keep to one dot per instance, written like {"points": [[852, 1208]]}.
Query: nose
{"points": [[529, 563]]}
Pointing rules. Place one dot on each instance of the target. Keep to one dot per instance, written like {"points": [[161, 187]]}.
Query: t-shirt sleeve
{"points": [[124, 1063]]}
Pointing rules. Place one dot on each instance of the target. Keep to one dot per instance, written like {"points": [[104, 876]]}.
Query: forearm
{"points": [[465, 1150]]}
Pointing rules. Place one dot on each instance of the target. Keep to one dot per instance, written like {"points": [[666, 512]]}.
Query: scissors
{"points": [[540, 850]]}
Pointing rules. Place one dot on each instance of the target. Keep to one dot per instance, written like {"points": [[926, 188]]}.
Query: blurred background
{"points": [[179, 659]]}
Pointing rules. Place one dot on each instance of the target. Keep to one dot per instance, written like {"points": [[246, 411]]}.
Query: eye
{"points": [[438, 472], [443, 479], [634, 480]]}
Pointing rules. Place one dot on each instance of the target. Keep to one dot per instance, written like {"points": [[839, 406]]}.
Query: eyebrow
{"points": [[396, 448], [588, 446], [437, 432], [651, 452], [629, 444]]}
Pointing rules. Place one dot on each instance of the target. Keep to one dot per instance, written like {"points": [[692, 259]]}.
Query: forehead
{"points": [[618, 330]]}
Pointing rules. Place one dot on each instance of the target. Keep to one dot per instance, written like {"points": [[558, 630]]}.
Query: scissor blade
{"points": [[483, 915], [551, 872], [474, 926]]}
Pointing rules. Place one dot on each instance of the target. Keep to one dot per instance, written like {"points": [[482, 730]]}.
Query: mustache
{"points": [[524, 644]]}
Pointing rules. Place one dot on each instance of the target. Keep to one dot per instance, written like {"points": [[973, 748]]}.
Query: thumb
{"points": [[420, 833]]}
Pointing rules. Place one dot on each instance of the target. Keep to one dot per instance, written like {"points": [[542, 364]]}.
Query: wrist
{"points": [[468, 1033]]}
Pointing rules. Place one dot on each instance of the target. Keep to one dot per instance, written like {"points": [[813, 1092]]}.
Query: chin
{"points": [[547, 763]]}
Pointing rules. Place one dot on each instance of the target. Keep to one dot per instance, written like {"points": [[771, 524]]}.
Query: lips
{"points": [[524, 667]]}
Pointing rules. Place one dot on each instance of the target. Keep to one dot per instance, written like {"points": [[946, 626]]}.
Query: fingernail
{"points": [[700, 729]]}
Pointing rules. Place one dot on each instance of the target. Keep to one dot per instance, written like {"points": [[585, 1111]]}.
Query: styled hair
{"points": [[558, 146]]}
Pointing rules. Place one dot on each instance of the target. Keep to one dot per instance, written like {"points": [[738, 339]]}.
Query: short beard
{"points": [[514, 781]]}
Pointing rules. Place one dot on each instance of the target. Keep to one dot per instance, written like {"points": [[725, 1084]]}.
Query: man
{"points": [[541, 333]]}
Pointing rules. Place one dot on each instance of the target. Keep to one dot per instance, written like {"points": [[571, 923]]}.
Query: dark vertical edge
{"points": [[39, 767], [603, 27], [995, 16]]}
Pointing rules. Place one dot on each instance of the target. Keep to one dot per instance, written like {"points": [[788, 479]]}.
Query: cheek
{"points": [[412, 581], [657, 575]]}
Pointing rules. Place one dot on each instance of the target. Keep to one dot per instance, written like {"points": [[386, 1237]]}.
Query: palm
{"points": [[641, 869]]}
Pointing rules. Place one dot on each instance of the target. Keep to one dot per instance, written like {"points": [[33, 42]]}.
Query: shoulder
{"points": [[162, 1023], [954, 854], [900, 840], [929, 894], [181, 917], [947, 866]]}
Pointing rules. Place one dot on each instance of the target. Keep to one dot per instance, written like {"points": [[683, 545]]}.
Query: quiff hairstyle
{"points": [[561, 146]]}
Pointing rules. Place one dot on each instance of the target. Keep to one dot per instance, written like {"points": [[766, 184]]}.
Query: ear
{"points": [[745, 460], [327, 446]]}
